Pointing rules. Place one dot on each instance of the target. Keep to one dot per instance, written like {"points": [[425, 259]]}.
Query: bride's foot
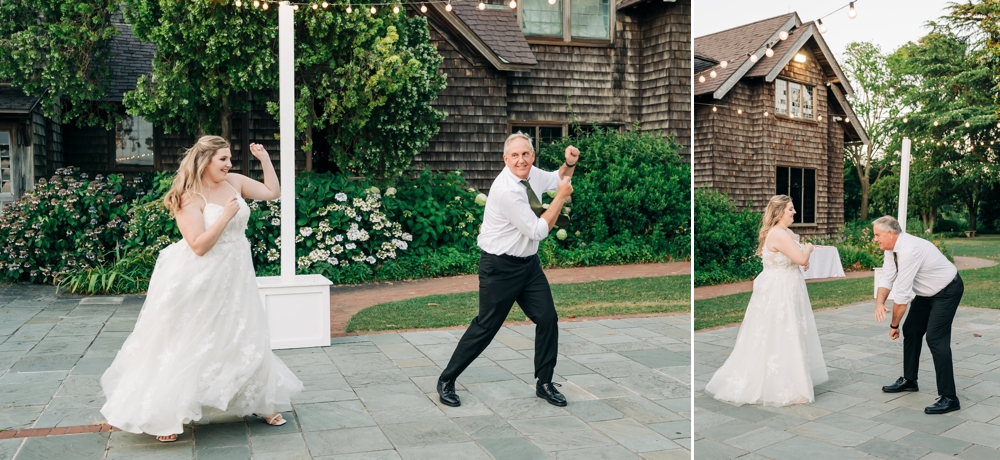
{"points": [[169, 438], [274, 419]]}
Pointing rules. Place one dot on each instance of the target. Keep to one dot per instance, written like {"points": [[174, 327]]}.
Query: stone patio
{"points": [[852, 418], [367, 397]]}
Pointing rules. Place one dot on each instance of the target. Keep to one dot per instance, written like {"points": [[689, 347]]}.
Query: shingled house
{"points": [[28, 142], [527, 69], [774, 125]]}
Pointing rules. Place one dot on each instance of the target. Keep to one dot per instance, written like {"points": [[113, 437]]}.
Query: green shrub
{"points": [[725, 240], [628, 187], [438, 209], [128, 274], [67, 223]]}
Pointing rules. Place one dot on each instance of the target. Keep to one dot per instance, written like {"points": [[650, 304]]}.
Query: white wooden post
{"points": [[298, 307], [904, 182]]}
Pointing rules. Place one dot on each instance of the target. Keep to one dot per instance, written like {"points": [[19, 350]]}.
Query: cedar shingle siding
{"points": [[739, 154]]}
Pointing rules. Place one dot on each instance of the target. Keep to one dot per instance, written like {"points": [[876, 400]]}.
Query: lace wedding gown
{"points": [[777, 357], [201, 340]]}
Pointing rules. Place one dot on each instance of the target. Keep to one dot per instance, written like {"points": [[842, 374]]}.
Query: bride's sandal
{"points": [[273, 420], [168, 438]]}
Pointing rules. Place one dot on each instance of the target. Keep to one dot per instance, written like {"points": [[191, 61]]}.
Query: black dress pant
{"points": [[933, 316], [502, 281]]}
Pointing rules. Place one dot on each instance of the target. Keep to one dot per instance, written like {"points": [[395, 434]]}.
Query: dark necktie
{"points": [[536, 206], [895, 260]]}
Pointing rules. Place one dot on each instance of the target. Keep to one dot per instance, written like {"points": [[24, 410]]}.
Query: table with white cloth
{"points": [[824, 263]]}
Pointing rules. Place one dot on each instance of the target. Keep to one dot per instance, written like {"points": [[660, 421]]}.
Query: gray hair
{"points": [[517, 135], [889, 224]]}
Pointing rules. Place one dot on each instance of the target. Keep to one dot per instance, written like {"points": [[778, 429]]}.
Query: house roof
{"points": [[493, 32], [14, 101], [130, 59]]}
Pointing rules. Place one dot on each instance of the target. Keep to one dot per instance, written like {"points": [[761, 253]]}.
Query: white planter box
{"points": [[298, 312]]}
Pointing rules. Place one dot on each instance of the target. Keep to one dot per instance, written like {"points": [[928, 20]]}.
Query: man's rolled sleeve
{"points": [[518, 211], [888, 272], [908, 266]]}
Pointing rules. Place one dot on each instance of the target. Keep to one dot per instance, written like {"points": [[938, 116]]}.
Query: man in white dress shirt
{"points": [[925, 279], [509, 269]]}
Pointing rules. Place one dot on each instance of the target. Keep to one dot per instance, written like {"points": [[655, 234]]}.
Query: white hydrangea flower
{"points": [[276, 221], [561, 234], [370, 260], [340, 197], [390, 191], [306, 231], [337, 249], [350, 246], [481, 199]]}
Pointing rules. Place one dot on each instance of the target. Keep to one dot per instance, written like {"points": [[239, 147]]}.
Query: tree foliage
{"points": [[209, 55], [367, 82], [57, 50]]}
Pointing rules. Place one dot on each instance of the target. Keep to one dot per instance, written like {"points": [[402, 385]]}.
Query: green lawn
{"points": [[982, 287], [665, 294]]}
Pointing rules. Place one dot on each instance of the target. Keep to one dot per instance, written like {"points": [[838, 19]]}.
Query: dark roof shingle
{"points": [[13, 100], [130, 59], [498, 30], [732, 45]]}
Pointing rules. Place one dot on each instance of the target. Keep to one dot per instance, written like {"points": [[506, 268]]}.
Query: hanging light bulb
{"points": [[552, 2], [481, 6], [753, 57], [935, 122], [852, 13], [905, 119], [264, 6], [373, 10], [724, 64], [715, 109], [769, 52], [967, 124], [325, 5], [821, 26], [701, 79], [712, 74], [739, 111], [349, 10], [239, 3], [295, 7], [819, 117], [315, 6], [423, 8], [765, 114], [783, 35], [847, 120], [448, 6], [512, 4], [256, 4], [395, 9]]}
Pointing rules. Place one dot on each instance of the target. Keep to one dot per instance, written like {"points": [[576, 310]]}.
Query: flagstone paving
{"points": [[852, 418], [367, 397]]}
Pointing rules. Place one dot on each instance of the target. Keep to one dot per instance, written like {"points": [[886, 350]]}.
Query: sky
{"points": [[887, 23]]}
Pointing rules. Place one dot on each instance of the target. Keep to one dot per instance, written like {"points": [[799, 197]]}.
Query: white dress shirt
{"points": [[923, 270], [509, 225]]}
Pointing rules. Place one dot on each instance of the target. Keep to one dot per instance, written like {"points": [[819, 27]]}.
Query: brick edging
{"points": [[57, 431]]}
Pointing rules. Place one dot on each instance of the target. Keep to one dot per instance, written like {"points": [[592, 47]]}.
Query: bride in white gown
{"points": [[777, 358], [202, 338]]}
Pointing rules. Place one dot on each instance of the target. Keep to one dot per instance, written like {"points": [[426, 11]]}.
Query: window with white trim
{"points": [[793, 99]]}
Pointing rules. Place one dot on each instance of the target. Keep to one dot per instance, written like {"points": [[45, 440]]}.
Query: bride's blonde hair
{"points": [[188, 179], [772, 214]]}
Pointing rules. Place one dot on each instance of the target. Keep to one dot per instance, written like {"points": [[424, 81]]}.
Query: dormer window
{"points": [[587, 21], [793, 99]]}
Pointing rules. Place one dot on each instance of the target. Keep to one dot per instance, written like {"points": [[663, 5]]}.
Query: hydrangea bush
{"points": [[66, 223]]}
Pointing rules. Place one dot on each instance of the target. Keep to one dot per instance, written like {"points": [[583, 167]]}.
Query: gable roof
{"points": [[14, 101], [492, 32]]}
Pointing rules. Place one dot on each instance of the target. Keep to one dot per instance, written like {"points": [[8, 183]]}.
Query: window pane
{"points": [[782, 181], [134, 142], [590, 19], [529, 130], [795, 187], [809, 196], [781, 96], [794, 96], [807, 102], [549, 134], [540, 18], [5, 162]]}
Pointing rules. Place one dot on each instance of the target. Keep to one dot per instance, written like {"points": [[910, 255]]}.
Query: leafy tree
{"points": [[209, 55], [953, 113], [980, 20], [366, 81], [876, 103], [57, 50]]}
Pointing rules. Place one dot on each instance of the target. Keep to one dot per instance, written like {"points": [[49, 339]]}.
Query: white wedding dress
{"points": [[777, 358], [201, 340]]}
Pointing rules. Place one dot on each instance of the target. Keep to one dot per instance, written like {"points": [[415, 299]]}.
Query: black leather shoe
{"points": [[446, 390], [548, 392], [943, 405], [901, 385]]}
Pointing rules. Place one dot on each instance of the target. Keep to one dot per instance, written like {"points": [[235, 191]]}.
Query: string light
{"points": [[395, 9], [256, 4], [765, 114], [821, 26], [423, 8], [905, 119], [769, 52], [239, 3], [315, 6], [513, 4], [701, 79], [325, 5], [783, 35], [481, 6], [295, 7], [715, 109], [852, 13], [712, 74], [935, 122], [739, 111], [349, 10], [967, 124], [753, 57], [264, 6], [724, 64], [448, 6], [373, 9], [552, 2]]}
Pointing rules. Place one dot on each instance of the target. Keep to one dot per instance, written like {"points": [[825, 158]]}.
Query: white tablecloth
{"points": [[824, 263]]}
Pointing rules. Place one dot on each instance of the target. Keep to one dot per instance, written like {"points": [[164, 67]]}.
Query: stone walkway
{"points": [[348, 299], [852, 418], [368, 397]]}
